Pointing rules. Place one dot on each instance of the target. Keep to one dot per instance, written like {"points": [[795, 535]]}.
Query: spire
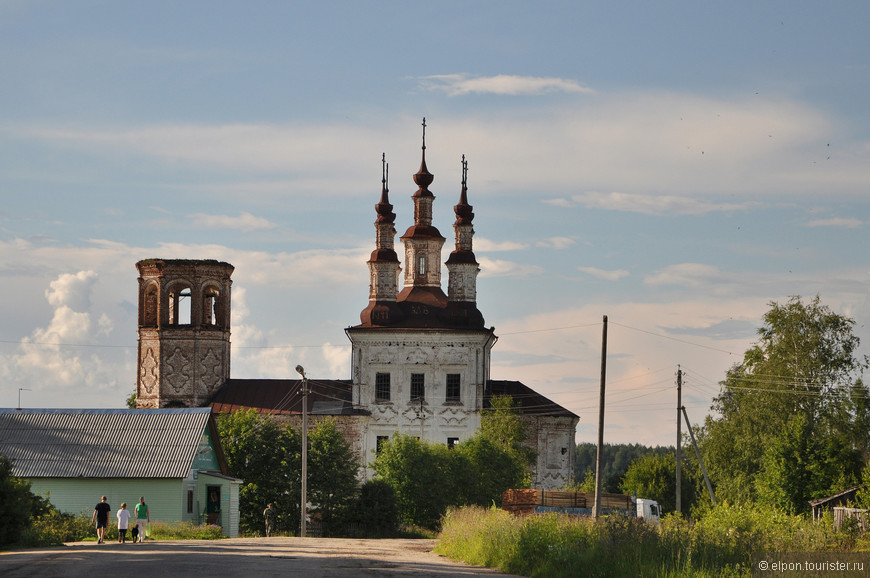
{"points": [[384, 209], [423, 178], [463, 210]]}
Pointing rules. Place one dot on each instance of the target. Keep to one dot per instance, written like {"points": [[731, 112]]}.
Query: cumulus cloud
{"points": [[609, 275], [244, 222], [650, 204], [502, 84], [72, 290]]}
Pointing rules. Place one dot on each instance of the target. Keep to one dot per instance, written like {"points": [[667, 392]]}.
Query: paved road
{"points": [[308, 557]]}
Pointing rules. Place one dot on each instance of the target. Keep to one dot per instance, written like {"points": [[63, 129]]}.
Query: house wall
{"points": [[166, 499], [79, 496]]}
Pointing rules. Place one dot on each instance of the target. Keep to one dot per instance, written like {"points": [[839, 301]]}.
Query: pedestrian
{"points": [[143, 517], [269, 515], [101, 518], [123, 523]]}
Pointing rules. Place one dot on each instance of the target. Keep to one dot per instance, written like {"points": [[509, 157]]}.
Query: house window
{"points": [[418, 388], [382, 387], [451, 443], [379, 443], [453, 387], [189, 500]]}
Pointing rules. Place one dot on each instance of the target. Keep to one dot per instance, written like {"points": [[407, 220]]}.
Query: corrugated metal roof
{"points": [[102, 443]]}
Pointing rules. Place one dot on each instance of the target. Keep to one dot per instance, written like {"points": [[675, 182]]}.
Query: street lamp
{"points": [[20, 389], [301, 371]]}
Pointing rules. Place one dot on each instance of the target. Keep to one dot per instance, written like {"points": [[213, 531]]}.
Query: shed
{"points": [[844, 498], [172, 457]]}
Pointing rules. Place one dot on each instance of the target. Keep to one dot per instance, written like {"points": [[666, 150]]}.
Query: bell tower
{"points": [[184, 331]]}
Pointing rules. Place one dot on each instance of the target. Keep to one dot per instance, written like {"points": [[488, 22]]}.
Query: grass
{"points": [[721, 543]]}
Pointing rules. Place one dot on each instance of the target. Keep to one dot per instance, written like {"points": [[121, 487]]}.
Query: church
{"points": [[420, 360]]}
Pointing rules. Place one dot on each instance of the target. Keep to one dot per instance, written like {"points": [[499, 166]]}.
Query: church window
{"points": [[382, 387], [418, 387], [179, 306], [421, 264], [379, 443], [453, 390], [451, 443]]}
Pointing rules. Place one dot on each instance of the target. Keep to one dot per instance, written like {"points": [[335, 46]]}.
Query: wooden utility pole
{"points": [[596, 508], [700, 459], [679, 434]]}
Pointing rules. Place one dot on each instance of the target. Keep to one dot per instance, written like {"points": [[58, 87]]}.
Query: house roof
{"points": [[284, 397], [105, 443], [530, 401]]}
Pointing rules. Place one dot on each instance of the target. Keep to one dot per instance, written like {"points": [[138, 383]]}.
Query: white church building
{"points": [[420, 357]]}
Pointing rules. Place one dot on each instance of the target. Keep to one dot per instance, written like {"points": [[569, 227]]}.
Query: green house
{"points": [[171, 457]]}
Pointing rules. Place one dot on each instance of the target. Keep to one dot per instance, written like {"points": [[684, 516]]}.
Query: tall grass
{"points": [[552, 545]]}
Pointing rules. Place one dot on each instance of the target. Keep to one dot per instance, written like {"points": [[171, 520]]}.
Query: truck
{"points": [[523, 502]]}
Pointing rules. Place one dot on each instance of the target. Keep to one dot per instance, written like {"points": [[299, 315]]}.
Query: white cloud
{"points": [[609, 275], [649, 204], [557, 243], [502, 84], [689, 274], [501, 268], [838, 222], [244, 222], [487, 246], [72, 290]]}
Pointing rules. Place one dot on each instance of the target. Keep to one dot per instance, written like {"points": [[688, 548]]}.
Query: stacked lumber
{"points": [[525, 501]]}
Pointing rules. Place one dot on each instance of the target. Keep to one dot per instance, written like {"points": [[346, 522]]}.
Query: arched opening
{"points": [[211, 307], [179, 305]]}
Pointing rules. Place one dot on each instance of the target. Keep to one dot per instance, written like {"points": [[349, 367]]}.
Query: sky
{"points": [[675, 166]]}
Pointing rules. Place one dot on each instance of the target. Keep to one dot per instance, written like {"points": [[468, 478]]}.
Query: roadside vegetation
{"points": [[722, 543]]}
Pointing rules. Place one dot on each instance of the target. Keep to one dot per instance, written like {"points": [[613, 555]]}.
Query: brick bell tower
{"points": [[184, 331]]}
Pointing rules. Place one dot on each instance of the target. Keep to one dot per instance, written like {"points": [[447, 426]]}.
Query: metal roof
{"points": [[102, 443]]}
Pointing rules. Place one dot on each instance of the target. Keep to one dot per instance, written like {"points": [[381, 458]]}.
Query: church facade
{"points": [[420, 361]]}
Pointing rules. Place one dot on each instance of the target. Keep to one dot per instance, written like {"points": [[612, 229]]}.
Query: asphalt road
{"points": [[308, 557]]}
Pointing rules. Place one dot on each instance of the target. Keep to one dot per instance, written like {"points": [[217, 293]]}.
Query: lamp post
{"points": [[301, 371], [20, 389]]}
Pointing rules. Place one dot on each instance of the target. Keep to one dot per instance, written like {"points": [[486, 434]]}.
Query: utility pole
{"points": [[700, 459], [596, 508], [20, 389], [422, 418], [303, 521], [679, 435]]}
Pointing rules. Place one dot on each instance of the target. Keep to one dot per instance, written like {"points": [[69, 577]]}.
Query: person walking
{"points": [[269, 514], [143, 517], [101, 518], [123, 523]]}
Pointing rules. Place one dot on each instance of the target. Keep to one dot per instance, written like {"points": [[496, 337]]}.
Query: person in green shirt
{"points": [[143, 517]]}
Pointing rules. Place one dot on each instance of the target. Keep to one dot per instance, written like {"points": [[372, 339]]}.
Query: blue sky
{"points": [[675, 166]]}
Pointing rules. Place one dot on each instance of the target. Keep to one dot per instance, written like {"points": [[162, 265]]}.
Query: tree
{"points": [[18, 504], [375, 510], [267, 456], [423, 475], [486, 470], [654, 476], [332, 470], [793, 414], [502, 424]]}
